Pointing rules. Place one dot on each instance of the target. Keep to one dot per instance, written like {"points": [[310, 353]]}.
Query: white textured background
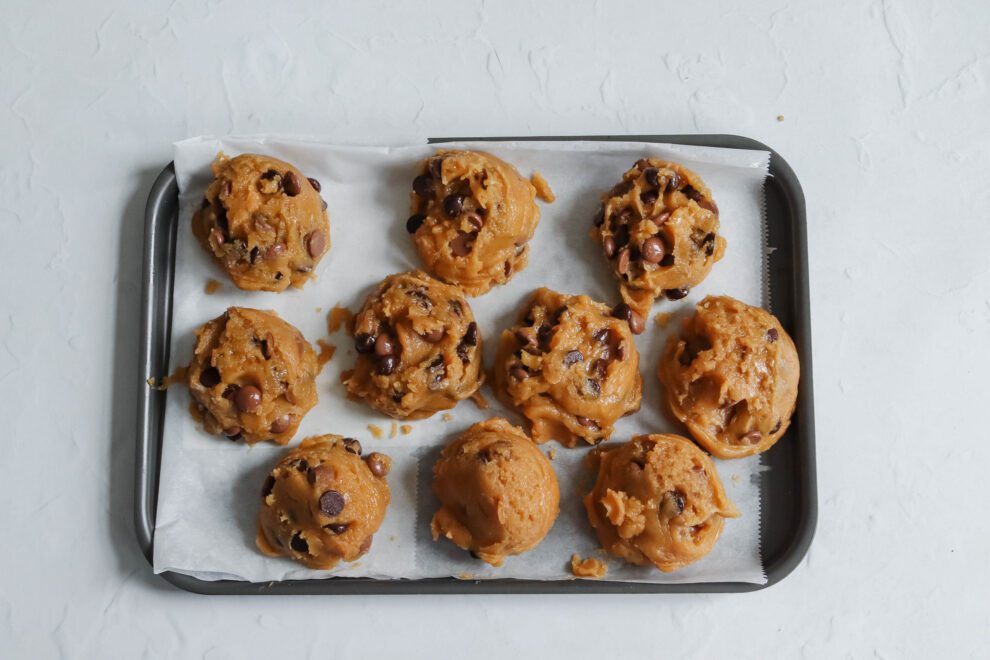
{"points": [[887, 123]]}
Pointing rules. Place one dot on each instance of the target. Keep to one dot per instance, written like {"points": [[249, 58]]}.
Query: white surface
{"points": [[212, 485], [886, 123]]}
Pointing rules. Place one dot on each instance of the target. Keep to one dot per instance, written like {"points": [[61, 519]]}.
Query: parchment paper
{"points": [[209, 487]]}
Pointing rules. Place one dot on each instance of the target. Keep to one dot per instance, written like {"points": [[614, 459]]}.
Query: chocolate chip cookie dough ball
{"points": [[658, 228], [322, 502], [419, 349], [568, 366], [657, 500], [731, 377], [263, 222], [498, 494], [252, 376], [472, 218]]}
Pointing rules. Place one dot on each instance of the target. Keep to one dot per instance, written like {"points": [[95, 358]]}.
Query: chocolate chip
{"points": [[752, 437], [608, 246], [331, 503], [772, 335], [672, 504], [415, 222], [476, 221], [622, 236], [626, 313], [676, 294], [453, 204], [366, 544], [620, 189], [387, 365], [601, 335], [471, 335], [776, 427], [290, 184], [600, 216], [586, 422], [423, 186], [269, 484], [573, 357], [312, 476], [693, 347], [651, 174], [674, 182], [316, 184], [544, 335], [336, 528], [299, 464], [255, 254], [649, 196], [281, 424], [527, 341], [377, 463], [230, 391], [204, 203], [275, 251], [384, 345], [323, 203], [462, 243], [232, 432], [653, 250], [298, 543], [455, 308], [364, 343], [352, 445], [269, 175], [209, 377], [507, 268], [484, 456], [265, 345], [436, 168], [248, 399], [518, 372], [438, 370], [217, 236], [435, 336], [620, 352], [622, 267], [316, 242], [700, 199]]}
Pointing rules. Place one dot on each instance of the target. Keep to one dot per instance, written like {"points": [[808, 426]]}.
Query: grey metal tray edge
{"points": [[786, 530]]}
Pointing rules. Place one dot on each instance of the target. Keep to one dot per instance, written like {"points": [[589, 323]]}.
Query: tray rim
{"points": [[157, 283]]}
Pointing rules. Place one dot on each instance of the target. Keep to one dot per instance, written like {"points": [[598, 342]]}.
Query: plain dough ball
{"points": [[472, 218], [569, 367], [498, 493], [658, 228], [657, 500], [322, 502], [731, 377], [419, 348], [263, 222], [252, 376]]}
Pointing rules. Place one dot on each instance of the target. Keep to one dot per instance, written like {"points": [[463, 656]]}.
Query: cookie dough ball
{"points": [[657, 500], [419, 349], [322, 502], [263, 222], [498, 494], [472, 218], [658, 228], [570, 367], [731, 377], [252, 376]]}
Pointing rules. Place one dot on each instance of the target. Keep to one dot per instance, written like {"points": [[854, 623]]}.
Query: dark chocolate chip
{"points": [[331, 503], [592, 387], [204, 203], [776, 427], [672, 504], [265, 345], [278, 276], [364, 343], [248, 399], [415, 222], [423, 186], [230, 391], [323, 203], [608, 246], [269, 175], [601, 335], [772, 335], [620, 189], [518, 372], [290, 184], [384, 345], [600, 367], [649, 196], [316, 242], [586, 422], [653, 250], [462, 244], [316, 184], [676, 294], [387, 365], [352, 445], [600, 216], [232, 432], [455, 308], [573, 357], [281, 424], [436, 168], [298, 543], [255, 254], [651, 176], [377, 463], [453, 204], [336, 528], [544, 335], [674, 182], [269, 484], [311, 476], [476, 221], [366, 544], [209, 377], [626, 313], [471, 335]]}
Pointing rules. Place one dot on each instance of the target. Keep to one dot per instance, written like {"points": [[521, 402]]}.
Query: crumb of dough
{"points": [[780, 117], [197, 411], [552, 453], [339, 317], [376, 431], [326, 352], [662, 319], [464, 575], [212, 286], [447, 417], [480, 400], [542, 188], [345, 375], [590, 567], [406, 429], [177, 376], [319, 309], [737, 479], [394, 430]]}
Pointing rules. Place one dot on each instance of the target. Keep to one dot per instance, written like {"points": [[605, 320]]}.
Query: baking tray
{"points": [[789, 493]]}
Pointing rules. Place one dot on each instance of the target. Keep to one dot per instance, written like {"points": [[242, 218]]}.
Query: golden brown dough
{"points": [[657, 500], [419, 349], [658, 228], [322, 502], [253, 376], [472, 218], [498, 494], [732, 377], [568, 366], [263, 222]]}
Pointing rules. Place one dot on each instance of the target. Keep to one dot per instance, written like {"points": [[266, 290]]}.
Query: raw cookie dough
{"points": [[472, 218], [419, 349], [498, 494], [731, 377], [658, 228], [657, 500], [263, 222], [570, 367], [252, 376], [322, 502]]}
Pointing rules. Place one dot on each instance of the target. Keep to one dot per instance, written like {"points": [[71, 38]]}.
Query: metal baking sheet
{"points": [[789, 492]]}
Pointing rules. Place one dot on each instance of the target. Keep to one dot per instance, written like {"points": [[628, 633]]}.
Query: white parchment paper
{"points": [[209, 487]]}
